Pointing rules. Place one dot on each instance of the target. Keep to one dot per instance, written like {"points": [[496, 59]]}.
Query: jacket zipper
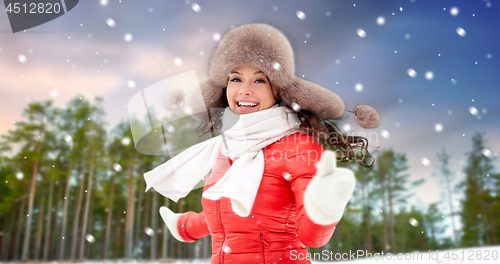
{"points": [[263, 241], [223, 231], [221, 258]]}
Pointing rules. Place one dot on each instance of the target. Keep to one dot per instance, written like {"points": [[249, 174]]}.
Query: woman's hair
{"points": [[324, 132]]}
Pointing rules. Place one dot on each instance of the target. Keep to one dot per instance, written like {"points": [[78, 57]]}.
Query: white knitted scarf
{"points": [[243, 141]]}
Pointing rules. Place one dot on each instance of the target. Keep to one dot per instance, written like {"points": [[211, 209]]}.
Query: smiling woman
{"points": [[249, 90], [273, 188]]}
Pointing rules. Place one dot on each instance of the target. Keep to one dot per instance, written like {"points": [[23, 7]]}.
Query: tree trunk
{"points": [[205, 247], [384, 220], [369, 221], [139, 213], [145, 240], [404, 224], [452, 213], [165, 237], [27, 233], [110, 213], [76, 219], [39, 232], [49, 220], [65, 211], [87, 204], [91, 227], [129, 222], [391, 219], [493, 226], [53, 249], [6, 239], [19, 228], [154, 223], [179, 245], [118, 234]]}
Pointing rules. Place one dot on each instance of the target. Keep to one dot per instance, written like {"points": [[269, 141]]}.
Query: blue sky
{"points": [[80, 53]]}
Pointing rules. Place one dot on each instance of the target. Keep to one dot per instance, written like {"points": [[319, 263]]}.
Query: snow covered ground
{"points": [[478, 255]]}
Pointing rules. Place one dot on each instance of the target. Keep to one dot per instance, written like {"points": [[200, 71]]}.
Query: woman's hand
{"points": [[170, 218], [329, 191]]}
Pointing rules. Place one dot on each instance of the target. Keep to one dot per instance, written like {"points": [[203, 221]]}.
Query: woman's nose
{"points": [[245, 89]]}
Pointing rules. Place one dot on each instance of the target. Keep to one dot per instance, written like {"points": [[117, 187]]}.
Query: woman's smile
{"points": [[249, 90]]}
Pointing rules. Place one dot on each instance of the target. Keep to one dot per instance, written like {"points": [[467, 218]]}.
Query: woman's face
{"points": [[248, 91]]}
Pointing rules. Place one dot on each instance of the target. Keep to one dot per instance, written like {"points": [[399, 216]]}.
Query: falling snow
{"points": [[413, 222], [128, 37], [438, 127], [22, 58], [411, 72], [487, 152], [358, 87], [110, 22], [104, 2], [90, 238], [425, 161], [380, 20], [150, 232], [126, 141], [131, 84], [117, 167], [196, 7], [361, 33], [384, 133], [301, 15], [473, 110], [19, 175], [178, 61], [461, 32], [454, 11], [216, 36], [429, 75]]}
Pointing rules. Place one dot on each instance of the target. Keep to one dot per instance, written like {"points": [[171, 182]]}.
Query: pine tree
{"points": [[477, 217], [445, 178]]}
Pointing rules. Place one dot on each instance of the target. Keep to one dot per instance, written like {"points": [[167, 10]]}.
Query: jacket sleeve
{"points": [[192, 226], [301, 165]]}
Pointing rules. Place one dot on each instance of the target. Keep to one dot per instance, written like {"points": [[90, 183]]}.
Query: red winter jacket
{"points": [[278, 228]]}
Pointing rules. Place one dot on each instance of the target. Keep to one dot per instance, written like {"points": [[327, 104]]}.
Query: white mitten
{"points": [[170, 218], [328, 192]]}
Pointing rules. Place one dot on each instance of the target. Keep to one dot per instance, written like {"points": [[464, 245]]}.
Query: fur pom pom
{"points": [[366, 116]]}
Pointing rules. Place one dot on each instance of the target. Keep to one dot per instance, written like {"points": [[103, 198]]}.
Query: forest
{"points": [[70, 189]]}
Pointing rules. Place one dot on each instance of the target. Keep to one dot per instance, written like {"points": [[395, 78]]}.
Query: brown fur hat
{"points": [[266, 48]]}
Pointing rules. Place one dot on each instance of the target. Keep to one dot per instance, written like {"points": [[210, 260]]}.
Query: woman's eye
{"points": [[235, 80], [260, 81]]}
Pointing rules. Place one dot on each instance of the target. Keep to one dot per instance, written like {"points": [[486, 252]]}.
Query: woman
{"points": [[273, 189]]}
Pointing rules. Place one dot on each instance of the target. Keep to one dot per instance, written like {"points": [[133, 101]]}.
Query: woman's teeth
{"points": [[246, 104]]}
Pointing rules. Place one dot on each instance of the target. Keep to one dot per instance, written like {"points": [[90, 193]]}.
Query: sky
{"points": [[431, 68]]}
